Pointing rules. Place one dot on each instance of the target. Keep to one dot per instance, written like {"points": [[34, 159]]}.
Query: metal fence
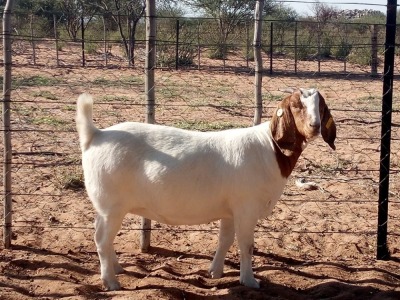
{"points": [[338, 219], [194, 43]]}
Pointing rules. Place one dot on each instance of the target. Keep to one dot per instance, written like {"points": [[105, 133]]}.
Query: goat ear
{"points": [[283, 129], [328, 126], [289, 90]]}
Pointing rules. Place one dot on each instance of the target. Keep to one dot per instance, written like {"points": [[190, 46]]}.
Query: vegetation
{"points": [[225, 27], [205, 126]]}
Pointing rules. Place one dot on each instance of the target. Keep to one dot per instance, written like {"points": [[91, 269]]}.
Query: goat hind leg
{"points": [[106, 230], [225, 241]]}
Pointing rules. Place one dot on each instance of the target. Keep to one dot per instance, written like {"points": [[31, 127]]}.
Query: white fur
{"points": [[178, 177], [310, 100]]}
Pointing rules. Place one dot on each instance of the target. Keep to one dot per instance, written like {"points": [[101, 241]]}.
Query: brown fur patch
{"points": [[290, 130]]}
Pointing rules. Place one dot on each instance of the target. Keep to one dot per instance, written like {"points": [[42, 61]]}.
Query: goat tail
{"points": [[84, 120]]}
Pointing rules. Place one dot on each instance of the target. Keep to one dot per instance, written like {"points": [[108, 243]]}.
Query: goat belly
{"points": [[181, 197]]}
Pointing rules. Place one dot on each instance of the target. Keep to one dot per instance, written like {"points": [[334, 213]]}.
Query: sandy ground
{"points": [[318, 244]]}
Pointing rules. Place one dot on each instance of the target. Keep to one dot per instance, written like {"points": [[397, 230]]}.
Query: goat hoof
{"points": [[118, 269], [112, 286], [251, 283], [215, 274]]}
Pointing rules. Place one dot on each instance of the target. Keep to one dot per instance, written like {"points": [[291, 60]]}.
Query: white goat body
{"points": [[182, 177]]}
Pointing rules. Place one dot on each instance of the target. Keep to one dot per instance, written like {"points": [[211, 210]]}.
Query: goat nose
{"points": [[315, 125]]}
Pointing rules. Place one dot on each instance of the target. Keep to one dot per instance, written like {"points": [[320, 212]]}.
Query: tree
{"points": [[44, 9], [75, 14], [228, 14], [287, 17], [323, 14], [128, 11], [168, 8]]}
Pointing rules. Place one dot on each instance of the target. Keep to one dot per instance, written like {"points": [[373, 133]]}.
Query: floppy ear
{"points": [[283, 128], [328, 126]]}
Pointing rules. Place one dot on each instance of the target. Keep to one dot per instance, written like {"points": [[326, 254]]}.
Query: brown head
{"points": [[298, 119]]}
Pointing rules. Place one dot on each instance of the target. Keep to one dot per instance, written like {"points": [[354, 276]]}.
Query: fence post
{"points": [[105, 41], [271, 47], [177, 45], [387, 101], [128, 29], [258, 61], [83, 41], [247, 44], [198, 46], [295, 47], [346, 43], [33, 41], [56, 38], [150, 97], [374, 50], [7, 57], [319, 33]]}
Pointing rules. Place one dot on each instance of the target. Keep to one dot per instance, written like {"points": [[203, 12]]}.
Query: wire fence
{"points": [[195, 90], [195, 43]]}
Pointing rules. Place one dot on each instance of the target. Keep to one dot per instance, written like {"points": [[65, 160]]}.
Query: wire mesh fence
{"points": [[198, 89], [196, 43]]}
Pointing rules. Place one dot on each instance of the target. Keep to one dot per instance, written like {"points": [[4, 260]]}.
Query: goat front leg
{"points": [[225, 241], [245, 224], [106, 230]]}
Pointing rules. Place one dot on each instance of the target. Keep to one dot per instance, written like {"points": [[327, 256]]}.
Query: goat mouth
{"points": [[313, 132]]}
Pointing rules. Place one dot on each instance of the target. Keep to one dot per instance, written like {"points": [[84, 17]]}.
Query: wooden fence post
{"points": [[33, 40], [258, 61], [177, 45], [295, 47], [198, 46], [150, 97], [56, 38], [105, 41], [271, 48], [374, 50], [83, 41], [248, 43]]}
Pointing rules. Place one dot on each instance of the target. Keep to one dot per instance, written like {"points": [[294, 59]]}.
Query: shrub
{"points": [[166, 55], [360, 55], [305, 51], [218, 51], [342, 50]]}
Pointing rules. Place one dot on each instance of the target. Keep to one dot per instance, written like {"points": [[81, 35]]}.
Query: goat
{"points": [[182, 177]]}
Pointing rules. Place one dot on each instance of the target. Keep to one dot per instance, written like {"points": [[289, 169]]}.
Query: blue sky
{"points": [[302, 7]]}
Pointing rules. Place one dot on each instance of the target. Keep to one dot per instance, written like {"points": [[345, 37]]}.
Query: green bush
{"points": [[166, 55], [360, 55], [305, 51], [325, 50], [248, 54], [343, 50], [218, 52], [91, 48]]}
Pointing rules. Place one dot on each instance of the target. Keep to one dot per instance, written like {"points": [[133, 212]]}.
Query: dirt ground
{"points": [[318, 244]]}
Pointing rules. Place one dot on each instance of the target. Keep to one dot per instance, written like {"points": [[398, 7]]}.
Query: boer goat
{"points": [[181, 177]]}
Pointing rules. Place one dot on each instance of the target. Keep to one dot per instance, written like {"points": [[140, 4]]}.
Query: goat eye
{"points": [[296, 108]]}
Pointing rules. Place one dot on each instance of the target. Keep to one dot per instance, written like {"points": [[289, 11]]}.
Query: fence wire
{"points": [[195, 90]]}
